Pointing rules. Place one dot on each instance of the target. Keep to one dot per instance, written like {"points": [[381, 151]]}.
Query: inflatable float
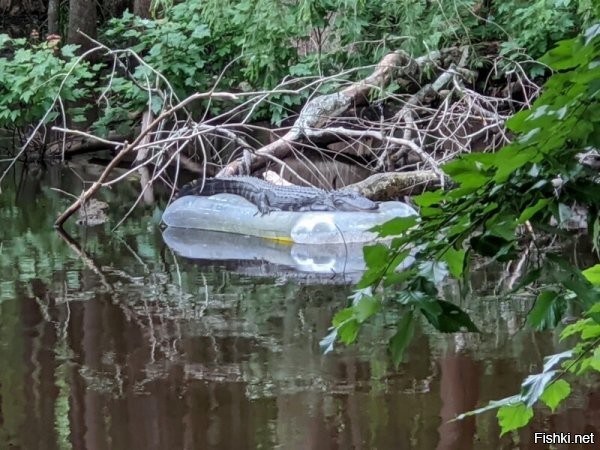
{"points": [[233, 214]]}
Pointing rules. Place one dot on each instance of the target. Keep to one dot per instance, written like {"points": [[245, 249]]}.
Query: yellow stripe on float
{"points": [[281, 239]]}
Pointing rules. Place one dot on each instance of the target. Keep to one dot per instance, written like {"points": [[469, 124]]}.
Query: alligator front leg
{"points": [[263, 204]]}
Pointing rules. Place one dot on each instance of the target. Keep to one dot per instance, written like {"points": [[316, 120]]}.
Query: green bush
{"points": [[255, 44], [32, 78]]}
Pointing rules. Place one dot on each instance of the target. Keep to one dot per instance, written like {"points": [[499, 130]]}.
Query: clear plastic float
{"points": [[233, 214]]}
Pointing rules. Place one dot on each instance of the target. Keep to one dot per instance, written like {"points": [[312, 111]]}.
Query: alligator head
{"points": [[352, 201]]}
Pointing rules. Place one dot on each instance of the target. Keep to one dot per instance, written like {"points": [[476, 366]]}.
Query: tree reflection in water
{"points": [[109, 341]]}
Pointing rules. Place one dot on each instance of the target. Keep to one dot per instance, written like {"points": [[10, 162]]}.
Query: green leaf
{"points": [[455, 260], [571, 278], [575, 328], [395, 278], [430, 213], [371, 277], [4, 39], [590, 332], [528, 213], [502, 227], [431, 307], [513, 417], [563, 56], [201, 31], [594, 360], [512, 158], [493, 246], [395, 227], [468, 173], [366, 308], [400, 262], [450, 319], [156, 104], [555, 393], [592, 274], [435, 271], [429, 198], [595, 309], [348, 331], [405, 331], [342, 316], [460, 228], [544, 315], [376, 258], [375, 255], [68, 51]]}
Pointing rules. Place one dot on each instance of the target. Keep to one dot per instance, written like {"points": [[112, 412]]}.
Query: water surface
{"points": [[111, 341]]}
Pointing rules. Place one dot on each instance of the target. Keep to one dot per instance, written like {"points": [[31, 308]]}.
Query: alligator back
{"points": [[237, 184], [268, 197]]}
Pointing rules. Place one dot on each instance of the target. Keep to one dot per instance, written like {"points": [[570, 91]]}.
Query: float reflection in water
{"points": [[257, 256], [233, 214]]}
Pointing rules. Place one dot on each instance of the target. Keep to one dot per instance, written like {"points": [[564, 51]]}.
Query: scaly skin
{"points": [[270, 197]]}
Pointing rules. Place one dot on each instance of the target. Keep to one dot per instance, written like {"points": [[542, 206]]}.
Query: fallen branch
{"points": [[321, 109], [115, 161], [378, 135], [391, 185]]}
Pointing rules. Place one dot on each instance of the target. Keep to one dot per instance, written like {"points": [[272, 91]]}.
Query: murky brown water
{"points": [[120, 344]]}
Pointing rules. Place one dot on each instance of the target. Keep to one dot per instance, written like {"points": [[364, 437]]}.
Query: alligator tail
{"points": [[192, 188], [201, 187]]}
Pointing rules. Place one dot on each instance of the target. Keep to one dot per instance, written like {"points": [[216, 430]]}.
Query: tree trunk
{"points": [[142, 8], [53, 16], [82, 17]]}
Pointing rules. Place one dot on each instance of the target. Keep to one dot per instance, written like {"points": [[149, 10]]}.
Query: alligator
{"points": [[270, 197]]}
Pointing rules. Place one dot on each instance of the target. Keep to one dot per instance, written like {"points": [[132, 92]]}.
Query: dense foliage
{"points": [[34, 79], [255, 44], [504, 202]]}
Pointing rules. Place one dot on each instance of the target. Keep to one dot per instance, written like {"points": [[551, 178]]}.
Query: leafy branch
{"points": [[533, 181]]}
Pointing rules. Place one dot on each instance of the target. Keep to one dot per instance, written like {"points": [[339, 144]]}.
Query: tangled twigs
{"points": [[115, 161], [435, 111], [377, 135], [324, 107], [321, 109]]}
